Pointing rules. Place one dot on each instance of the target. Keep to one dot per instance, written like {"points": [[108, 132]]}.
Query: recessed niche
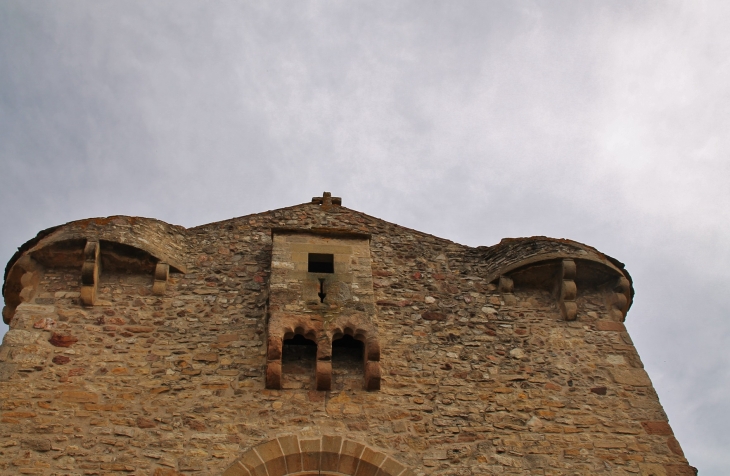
{"points": [[299, 355], [347, 355], [321, 263]]}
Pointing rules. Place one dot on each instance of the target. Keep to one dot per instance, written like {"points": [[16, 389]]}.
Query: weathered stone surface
{"points": [[449, 359], [20, 337]]}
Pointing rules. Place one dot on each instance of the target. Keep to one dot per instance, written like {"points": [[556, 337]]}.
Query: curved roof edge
{"points": [[161, 240], [511, 254]]}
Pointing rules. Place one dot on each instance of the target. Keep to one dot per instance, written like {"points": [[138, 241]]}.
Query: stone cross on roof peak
{"points": [[327, 200]]}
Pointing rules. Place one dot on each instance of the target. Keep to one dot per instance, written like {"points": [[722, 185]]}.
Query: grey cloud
{"points": [[604, 122]]}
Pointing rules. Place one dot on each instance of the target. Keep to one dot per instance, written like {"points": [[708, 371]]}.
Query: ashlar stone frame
{"points": [[321, 306]]}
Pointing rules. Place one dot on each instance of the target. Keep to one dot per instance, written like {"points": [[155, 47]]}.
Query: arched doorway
{"points": [[324, 456]]}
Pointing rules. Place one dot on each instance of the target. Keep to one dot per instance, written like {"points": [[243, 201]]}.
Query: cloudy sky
{"points": [[604, 122]]}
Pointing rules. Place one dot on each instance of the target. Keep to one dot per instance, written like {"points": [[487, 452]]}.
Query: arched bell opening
{"points": [[298, 360]]}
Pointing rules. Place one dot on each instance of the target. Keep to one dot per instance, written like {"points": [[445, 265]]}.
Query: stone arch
{"points": [[371, 349], [326, 455], [285, 326]]}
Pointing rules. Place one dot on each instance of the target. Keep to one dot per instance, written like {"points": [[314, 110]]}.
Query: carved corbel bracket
{"points": [[162, 273], [273, 362], [323, 374], [619, 299], [567, 290], [372, 364], [90, 273], [507, 287]]}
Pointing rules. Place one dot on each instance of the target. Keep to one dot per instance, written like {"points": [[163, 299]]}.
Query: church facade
{"points": [[318, 340]]}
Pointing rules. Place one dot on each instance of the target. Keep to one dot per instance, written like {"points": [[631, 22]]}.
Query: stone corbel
{"points": [[507, 287], [323, 374], [90, 273], [372, 365], [162, 272], [323, 371], [619, 299], [273, 362], [567, 290]]}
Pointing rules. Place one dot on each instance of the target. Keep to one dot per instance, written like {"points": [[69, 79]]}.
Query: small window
{"points": [[321, 263]]}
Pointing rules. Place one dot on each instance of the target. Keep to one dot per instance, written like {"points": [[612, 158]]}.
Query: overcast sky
{"points": [[604, 122]]}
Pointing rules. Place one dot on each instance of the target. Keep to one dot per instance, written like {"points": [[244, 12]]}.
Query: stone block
{"points": [[651, 469], [330, 453], [680, 470], [75, 396], [657, 427], [633, 377], [310, 454], [60, 340], [370, 462], [270, 452], [674, 446], [253, 463], [390, 467], [36, 444], [236, 470], [206, 357], [350, 457], [610, 326], [292, 453]]}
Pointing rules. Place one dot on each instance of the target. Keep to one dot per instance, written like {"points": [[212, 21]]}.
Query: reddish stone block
{"points": [[599, 390], [59, 340], [61, 360], [225, 338], [433, 316], [610, 326], [657, 427], [19, 415], [673, 445], [145, 422], [316, 396]]}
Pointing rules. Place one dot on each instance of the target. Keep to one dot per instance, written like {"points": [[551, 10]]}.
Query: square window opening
{"points": [[321, 263]]}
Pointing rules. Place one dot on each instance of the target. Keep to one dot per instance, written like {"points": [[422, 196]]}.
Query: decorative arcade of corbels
{"points": [[325, 275]]}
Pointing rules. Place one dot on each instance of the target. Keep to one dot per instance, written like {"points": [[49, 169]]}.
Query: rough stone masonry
{"points": [[318, 340]]}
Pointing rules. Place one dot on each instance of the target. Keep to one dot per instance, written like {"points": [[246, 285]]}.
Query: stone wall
{"points": [[476, 378]]}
